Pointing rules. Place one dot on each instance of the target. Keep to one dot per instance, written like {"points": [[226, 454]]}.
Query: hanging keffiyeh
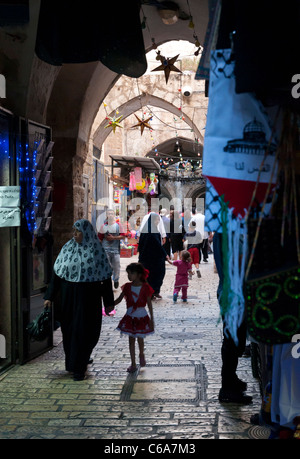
{"points": [[238, 161], [84, 262]]}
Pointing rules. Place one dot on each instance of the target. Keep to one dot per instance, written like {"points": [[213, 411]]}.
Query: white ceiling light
{"points": [[169, 13]]}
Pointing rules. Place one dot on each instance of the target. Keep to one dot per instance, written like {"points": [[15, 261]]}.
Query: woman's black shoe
{"points": [[239, 385], [228, 396], [78, 376], [90, 361]]}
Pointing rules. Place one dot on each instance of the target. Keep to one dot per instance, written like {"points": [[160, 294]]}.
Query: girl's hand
{"points": [[108, 309]]}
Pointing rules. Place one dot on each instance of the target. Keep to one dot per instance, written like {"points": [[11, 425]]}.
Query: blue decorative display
{"points": [[27, 168], [4, 147]]}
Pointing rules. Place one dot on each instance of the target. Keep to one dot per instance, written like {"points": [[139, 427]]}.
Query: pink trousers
{"points": [[184, 291]]}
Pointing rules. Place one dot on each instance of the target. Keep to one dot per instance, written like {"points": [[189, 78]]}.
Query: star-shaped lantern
{"points": [[113, 122], [167, 65], [142, 123]]}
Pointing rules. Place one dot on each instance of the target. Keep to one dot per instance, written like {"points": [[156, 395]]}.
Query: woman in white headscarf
{"points": [[82, 276]]}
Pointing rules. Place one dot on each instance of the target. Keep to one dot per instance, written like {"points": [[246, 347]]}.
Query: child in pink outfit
{"points": [[184, 268]]}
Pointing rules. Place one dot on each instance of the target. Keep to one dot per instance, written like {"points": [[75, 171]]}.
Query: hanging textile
{"points": [[132, 183], [265, 47], [273, 270], [202, 72], [237, 136], [79, 32], [14, 12], [238, 161], [138, 175]]}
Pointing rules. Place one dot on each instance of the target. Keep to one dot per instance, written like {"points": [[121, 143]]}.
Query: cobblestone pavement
{"points": [[174, 397]]}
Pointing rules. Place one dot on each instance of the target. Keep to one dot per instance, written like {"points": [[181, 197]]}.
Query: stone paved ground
{"points": [[174, 397]]}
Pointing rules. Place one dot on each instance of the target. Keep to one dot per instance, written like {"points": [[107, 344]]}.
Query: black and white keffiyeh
{"points": [[84, 262]]}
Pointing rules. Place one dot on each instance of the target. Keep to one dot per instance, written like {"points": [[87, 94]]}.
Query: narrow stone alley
{"points": [[174, 397]]}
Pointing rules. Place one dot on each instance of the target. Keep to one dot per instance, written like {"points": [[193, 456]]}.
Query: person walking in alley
{"points": [[184, 268], [199, 218], [82, 279], [110, 235], [152, 255], [232, 389], [194, 239], [166, 222], [136, 323], [176, 233]]}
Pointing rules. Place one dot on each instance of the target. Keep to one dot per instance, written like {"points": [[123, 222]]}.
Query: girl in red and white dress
{"points": [[136, 323]]}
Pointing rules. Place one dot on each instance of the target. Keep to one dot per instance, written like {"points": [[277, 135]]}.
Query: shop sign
{"points": [[9, 196], [10, 213], [10, 216]]}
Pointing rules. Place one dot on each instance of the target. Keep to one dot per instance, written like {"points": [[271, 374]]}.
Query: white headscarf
{"points": [[160, 226], [84, 262]]}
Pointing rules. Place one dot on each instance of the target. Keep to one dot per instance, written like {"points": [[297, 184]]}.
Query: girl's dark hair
{"points": [[139, 269]]}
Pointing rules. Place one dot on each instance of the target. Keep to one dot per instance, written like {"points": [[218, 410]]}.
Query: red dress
{"points": [[136, 321]]}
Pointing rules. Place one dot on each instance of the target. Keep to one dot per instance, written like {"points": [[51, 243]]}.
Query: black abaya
{"points": [[80, 317], [152, 255]]}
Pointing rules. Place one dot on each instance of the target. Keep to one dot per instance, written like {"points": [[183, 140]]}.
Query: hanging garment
{"points": [[285, 385], [238, 160], [79, 32], [132, 183], [138, 175], [237, 136]]}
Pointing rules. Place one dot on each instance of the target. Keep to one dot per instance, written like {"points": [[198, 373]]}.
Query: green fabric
{"points": [[224, 300]]}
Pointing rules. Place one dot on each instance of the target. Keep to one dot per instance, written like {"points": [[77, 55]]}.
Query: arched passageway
{"points": [[133, 105], [67, 97]]}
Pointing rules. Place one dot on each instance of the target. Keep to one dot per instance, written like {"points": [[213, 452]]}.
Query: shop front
{"points": [[9, 230], [135, 185], [25, 234]]}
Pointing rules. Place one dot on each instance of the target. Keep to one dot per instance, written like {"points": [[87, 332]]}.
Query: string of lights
{"points": [[27, 160], [182, 158]]}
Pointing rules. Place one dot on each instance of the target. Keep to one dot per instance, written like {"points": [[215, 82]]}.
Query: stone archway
{"points": [[67, 98], [198, 190], [197, 193], [164, 192], [182, 189], [134, 105]]}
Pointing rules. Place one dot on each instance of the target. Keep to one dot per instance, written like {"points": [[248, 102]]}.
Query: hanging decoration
{"points": [[240, 145], [116, 196], [153, 184], [27, 168], [142, 123], [273, 270], [147, 184], [167, 65], [132, 184], [114, 122], [140, 185], [192, 26], [138, 175]]}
